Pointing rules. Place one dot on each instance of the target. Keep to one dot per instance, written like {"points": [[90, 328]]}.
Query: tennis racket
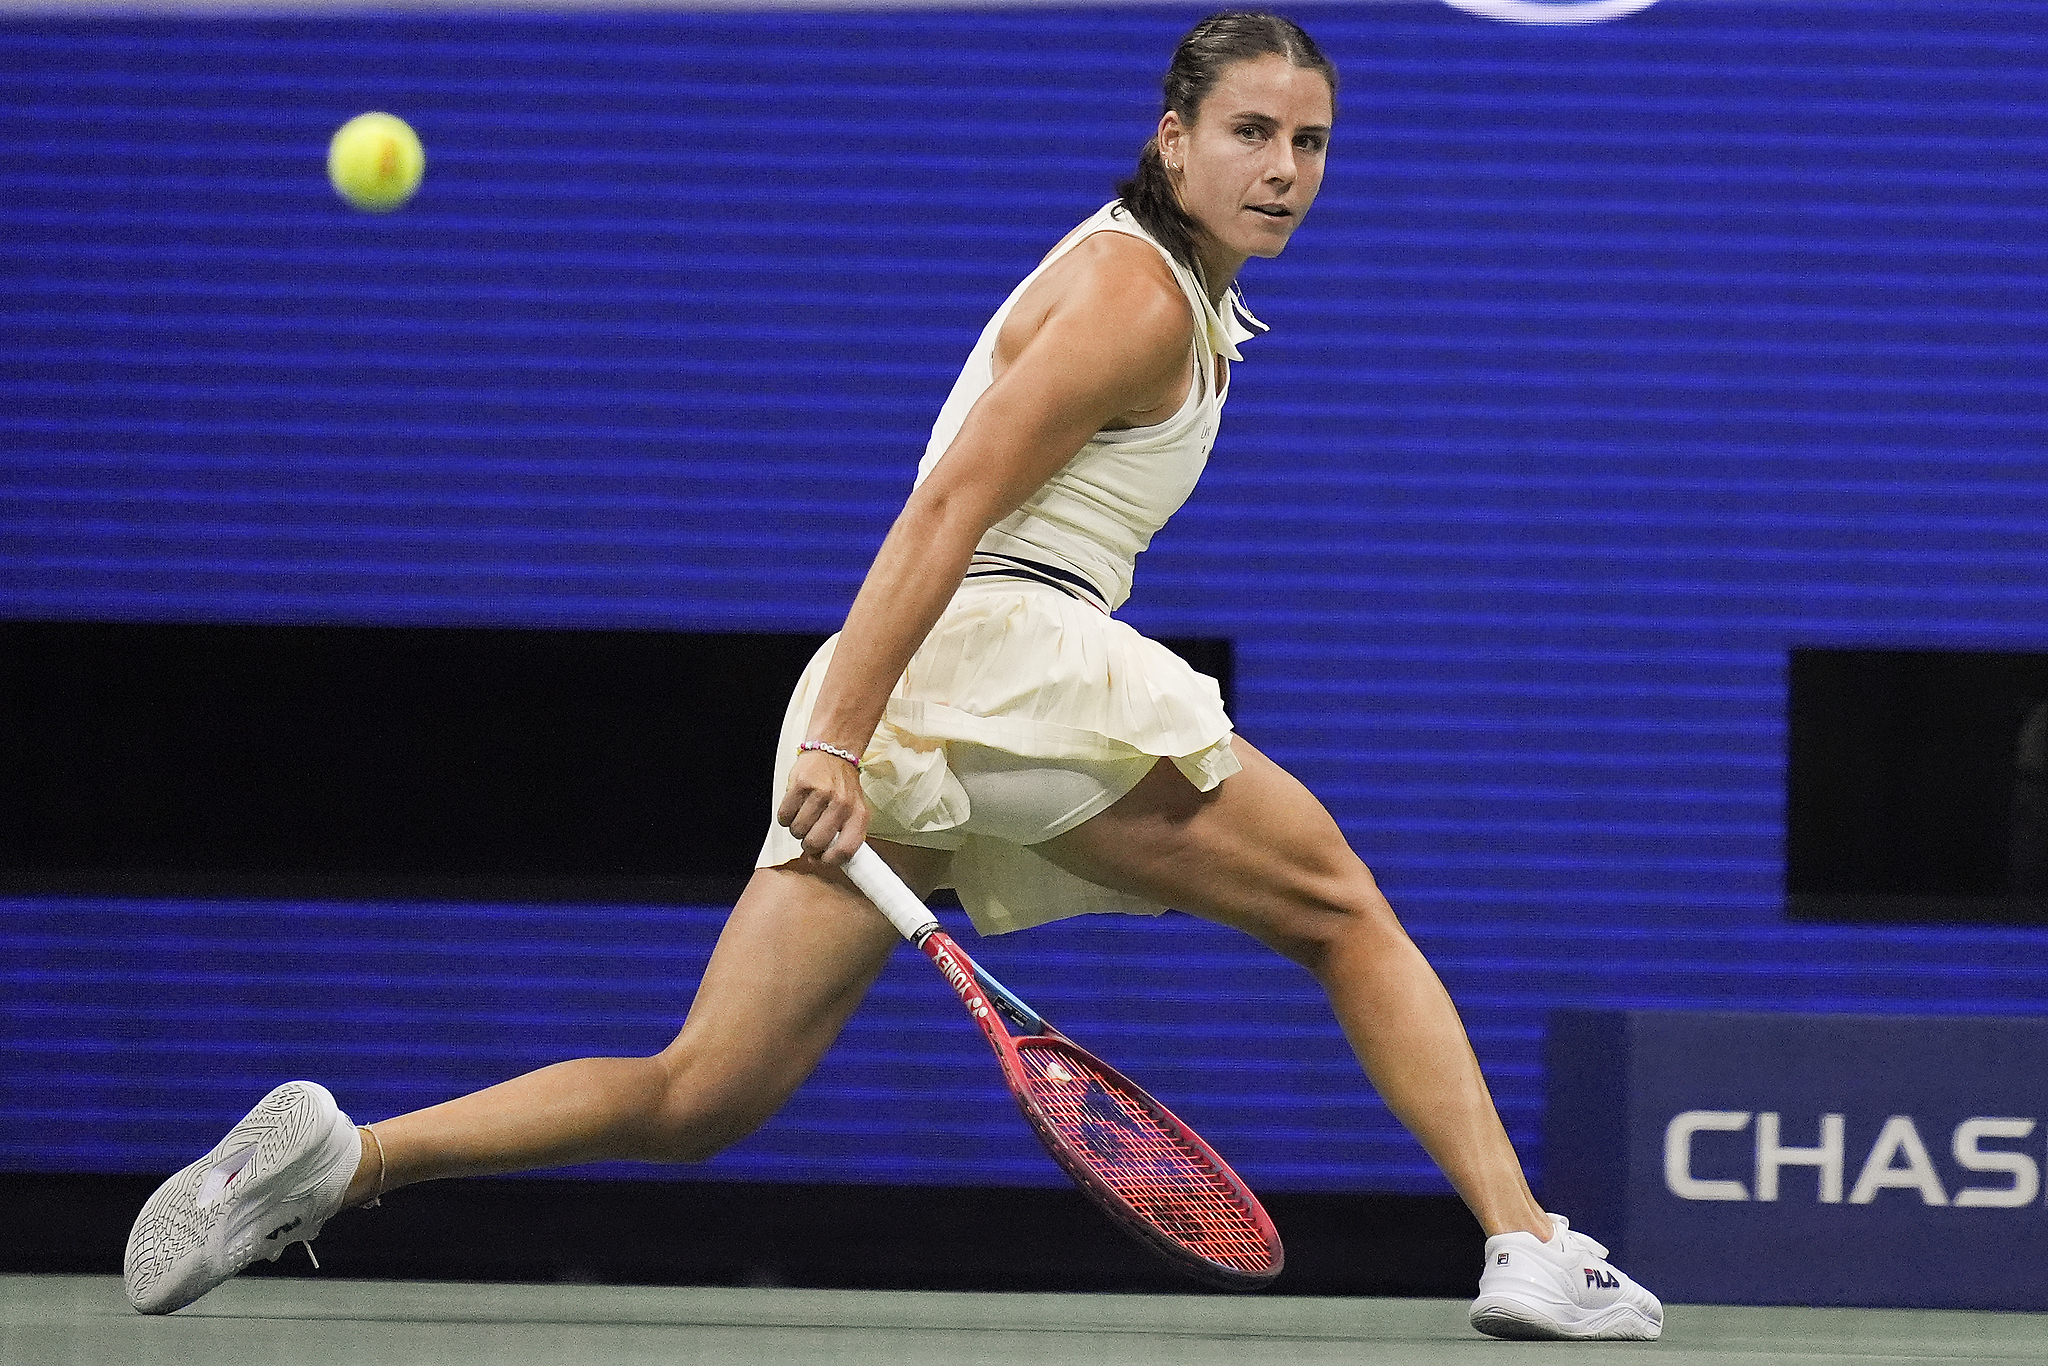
{"points": [[1151, 1174]]}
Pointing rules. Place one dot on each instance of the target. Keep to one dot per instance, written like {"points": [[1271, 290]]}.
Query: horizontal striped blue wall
{"points": [[1616, 361]]}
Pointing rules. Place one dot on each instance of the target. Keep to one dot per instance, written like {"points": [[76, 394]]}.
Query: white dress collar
{"points": [[1233, 324]]}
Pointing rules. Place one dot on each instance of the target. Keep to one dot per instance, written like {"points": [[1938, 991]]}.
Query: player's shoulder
{"points": [[1111, 276], [1112, 267]]}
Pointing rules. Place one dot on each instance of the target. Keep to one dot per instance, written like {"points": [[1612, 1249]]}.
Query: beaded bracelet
{"points": [[833, 750]]}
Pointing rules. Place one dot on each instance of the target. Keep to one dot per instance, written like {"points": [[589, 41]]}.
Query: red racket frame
{"points": [[988, 1001]]}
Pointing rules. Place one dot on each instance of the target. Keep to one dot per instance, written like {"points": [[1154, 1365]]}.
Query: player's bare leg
{"points": [[796, 956], [1260, 853]]}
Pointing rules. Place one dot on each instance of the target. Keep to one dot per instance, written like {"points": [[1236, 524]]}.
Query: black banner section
{"points": [[1917, 786], [410, 763]]}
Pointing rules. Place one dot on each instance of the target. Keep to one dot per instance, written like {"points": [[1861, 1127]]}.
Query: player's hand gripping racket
{"points": [[1148, 1171]]}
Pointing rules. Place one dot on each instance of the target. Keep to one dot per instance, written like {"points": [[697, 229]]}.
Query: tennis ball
{"points": [[376, 162]]}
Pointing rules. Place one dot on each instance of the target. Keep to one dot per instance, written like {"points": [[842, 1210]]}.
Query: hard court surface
{"points": [[46, 1320]]}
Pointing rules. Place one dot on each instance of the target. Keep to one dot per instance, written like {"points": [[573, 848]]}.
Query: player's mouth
{"points": [[1272, 210]]}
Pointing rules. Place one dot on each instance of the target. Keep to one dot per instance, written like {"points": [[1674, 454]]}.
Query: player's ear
{"points": [[1172, 136]]}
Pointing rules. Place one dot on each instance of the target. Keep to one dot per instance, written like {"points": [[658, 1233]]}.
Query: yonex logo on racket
{"points": [[962, 981]]}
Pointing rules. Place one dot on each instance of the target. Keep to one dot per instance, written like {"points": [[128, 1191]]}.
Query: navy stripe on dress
{"points": [[989, 565]]}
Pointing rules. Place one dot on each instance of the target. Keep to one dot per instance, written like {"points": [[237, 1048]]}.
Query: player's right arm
{"points": [[1107, 343]]}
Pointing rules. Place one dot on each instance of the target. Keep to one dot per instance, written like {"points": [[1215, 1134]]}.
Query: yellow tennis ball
{"points": [[376, 162]]}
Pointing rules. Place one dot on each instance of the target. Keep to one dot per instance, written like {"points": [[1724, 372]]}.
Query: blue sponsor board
{"points": [[1743, 1158]]}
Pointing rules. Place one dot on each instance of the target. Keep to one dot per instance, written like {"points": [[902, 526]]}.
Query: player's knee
{"points": [[1336, 913], [697, 1116]]}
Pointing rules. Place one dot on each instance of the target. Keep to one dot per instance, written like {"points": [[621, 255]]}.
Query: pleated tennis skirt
{"points": [[1024, 713]]}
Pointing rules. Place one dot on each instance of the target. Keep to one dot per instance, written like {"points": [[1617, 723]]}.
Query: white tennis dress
{"points": [[1029, 708]]}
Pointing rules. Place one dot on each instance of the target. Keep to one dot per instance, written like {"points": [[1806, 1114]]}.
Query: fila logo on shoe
{"points": [[1600, 1280]]}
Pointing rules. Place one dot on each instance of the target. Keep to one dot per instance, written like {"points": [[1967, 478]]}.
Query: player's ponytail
{"points": [[1198, 63], [1150, 196]]}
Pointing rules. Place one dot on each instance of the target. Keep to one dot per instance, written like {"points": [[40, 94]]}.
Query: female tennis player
{"points": [[985, 724]]}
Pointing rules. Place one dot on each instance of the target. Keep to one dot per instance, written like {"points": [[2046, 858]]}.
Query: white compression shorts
{"points": [[1023, 800]]}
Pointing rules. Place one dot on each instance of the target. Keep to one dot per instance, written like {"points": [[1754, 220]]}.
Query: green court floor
{"points": [[53, 1320]]}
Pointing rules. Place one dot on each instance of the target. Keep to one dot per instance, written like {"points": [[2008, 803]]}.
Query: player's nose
{"points": [[1280, 166]]}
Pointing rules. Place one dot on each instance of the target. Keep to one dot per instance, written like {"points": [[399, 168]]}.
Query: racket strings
{"points": [[1167, 1181]]}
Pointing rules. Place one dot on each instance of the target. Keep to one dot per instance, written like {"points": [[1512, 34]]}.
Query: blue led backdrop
{"points": [[1616, 361]]}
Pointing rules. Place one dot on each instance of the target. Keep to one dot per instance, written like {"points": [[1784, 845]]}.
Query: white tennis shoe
{"points": [[1563, 1288], [275, 1179]]}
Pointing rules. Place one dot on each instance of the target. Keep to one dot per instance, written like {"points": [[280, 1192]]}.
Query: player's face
{"points": [[1253, 161]]}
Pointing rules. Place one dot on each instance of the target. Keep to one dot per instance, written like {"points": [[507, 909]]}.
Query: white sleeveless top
{"points": [[1028, 667], [1103, 507]]}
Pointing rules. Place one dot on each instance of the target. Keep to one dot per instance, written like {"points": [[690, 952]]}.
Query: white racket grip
{"points": [[878, 883]]}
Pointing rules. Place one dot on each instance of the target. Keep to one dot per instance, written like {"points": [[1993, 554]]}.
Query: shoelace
{"points": [[1584, 1243], [375, 1200]]}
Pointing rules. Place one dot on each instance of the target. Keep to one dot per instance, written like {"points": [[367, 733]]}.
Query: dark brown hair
{"points": [[1217, 42]]}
